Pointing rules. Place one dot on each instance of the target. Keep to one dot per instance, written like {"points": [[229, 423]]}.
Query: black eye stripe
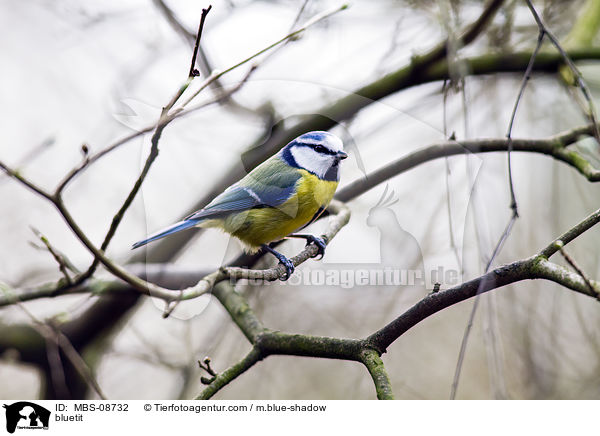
{"points": [[323, 150], [318, 148]]}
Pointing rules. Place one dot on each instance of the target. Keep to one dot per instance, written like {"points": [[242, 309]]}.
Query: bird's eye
{"points": [[320, 149]]}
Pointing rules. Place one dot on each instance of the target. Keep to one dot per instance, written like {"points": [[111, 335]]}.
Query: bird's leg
{"points": [[310, 239], [289, 266]]}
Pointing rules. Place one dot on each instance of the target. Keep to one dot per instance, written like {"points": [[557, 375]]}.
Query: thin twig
{"points": [[191, 75], [161, 125], [55, 337], [211, 80], [16, 175], [63, 264], [469, 327], [77, 361], [445, 90], [339, 218], [56, 367], [535, 267], [203, 61], [193, 71], [299, 14], [316, 19], [526, 77], [543, 31], [591, 111], [205, 365], [267, 342], [555, 146], [33, 154], [221, 380], [578, 270], [90, 159]]}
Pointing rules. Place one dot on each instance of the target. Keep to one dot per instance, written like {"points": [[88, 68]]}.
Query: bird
{"points": [[279, 197]]}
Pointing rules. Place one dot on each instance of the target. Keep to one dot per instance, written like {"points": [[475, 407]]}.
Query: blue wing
{"points": [[269, 185]]}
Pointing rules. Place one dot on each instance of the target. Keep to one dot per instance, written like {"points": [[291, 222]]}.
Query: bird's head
{"points": [[316, 152]]}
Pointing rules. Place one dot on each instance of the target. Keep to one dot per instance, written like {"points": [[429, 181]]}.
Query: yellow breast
{"points": [[261, 226]]}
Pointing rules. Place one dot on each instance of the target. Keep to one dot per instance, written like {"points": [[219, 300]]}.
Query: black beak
{"points": [[342, 155]]}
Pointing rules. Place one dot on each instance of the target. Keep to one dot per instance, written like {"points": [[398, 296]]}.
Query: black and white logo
{"points": [[26, 415]]}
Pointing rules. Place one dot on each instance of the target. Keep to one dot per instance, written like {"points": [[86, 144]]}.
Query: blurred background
{"points": [[88, 72]]}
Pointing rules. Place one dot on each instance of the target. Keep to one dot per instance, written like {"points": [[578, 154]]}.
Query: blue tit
{"points": [[285, 193]]}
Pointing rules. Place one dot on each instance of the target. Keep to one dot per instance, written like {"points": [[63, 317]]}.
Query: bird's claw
{"points": [[289, 268], [288, 265], [320, 243]]}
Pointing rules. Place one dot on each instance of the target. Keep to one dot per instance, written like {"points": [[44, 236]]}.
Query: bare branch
{"points": [[571, 234], [217, 75], [372, 361], [90, 159], [526, 77], [193, 72], [267, 342], [56, 340], [202, 286], [223, 379], [466, 335], [534, 267], [164, 120], [63, 263], [32, 186], [555, 146], [579, 271], [591, 111]]}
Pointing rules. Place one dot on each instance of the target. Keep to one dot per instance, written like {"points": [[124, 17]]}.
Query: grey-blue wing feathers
{"points": [[269, 185]]}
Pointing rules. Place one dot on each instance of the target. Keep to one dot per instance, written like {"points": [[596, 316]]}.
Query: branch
{"points": [[413, 74], [372, 360], [340, 220], [340, 217], [54, 336], [591, 112], [514, 215], [32, 186], [555, 146], [211, 80], [63, 263], [193, 72], [203, 62], [267, 342], [223, 379], [578, 270], [215, 76], [534, 267], [571, 234], [56, 198], [164, 120]]}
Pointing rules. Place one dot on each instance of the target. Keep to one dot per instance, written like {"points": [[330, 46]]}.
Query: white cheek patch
{"points": [[312, 161]]}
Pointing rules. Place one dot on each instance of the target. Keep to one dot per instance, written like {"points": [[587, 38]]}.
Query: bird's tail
{"points": [[177, 227]]}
